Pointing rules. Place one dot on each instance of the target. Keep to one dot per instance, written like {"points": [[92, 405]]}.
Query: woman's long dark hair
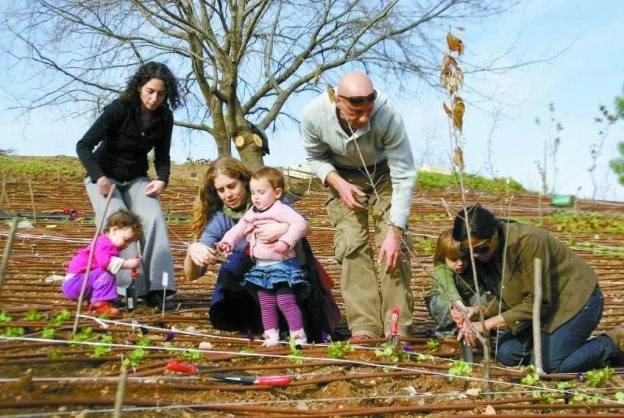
{"points": [[144, 74], [482, 223]]}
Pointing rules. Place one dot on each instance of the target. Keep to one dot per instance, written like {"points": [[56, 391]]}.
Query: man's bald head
{"points": [[355, 84]]}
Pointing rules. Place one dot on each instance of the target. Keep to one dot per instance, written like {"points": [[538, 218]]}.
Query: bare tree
{"points": [[238, 60]]}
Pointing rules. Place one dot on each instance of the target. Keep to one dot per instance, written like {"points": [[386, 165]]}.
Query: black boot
{"points": [[155, 300]]}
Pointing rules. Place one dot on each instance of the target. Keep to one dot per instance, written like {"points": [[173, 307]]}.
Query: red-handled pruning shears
{"points": [[394, 325], [274, 381]]}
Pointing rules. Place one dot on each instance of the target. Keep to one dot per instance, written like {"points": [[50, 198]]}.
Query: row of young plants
{"points": [[547, 391]]}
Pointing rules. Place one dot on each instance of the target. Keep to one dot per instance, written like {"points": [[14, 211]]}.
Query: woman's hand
{"points": [[459, 318], [201, 254], [104, 185], [268, 232], [281, 248], [468, 332], [155, 187]]}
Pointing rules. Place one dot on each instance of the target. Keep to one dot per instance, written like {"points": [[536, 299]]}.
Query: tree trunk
{"points": [[250, 153]]}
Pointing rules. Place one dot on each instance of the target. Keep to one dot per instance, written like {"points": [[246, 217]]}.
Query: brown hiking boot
{"points": [[617, 335]]}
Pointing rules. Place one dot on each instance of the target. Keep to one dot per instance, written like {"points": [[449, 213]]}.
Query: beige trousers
{"points": [[369, 293]]}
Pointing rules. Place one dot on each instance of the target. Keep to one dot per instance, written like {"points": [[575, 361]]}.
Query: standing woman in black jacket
{"points": [[140, 120]]}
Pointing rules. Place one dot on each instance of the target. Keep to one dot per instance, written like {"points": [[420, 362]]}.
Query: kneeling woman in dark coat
{"points": [[572, 301]]}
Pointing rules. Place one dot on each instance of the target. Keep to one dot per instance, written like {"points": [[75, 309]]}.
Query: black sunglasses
{"points": [[478, 250], [358, 100]]}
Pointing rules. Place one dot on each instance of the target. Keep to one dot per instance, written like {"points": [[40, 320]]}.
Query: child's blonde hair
{"points": [[125, 219], [446, 247], [272, 175]]}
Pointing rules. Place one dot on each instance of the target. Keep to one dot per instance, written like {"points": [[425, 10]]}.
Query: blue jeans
{"points": [[565, 350]]}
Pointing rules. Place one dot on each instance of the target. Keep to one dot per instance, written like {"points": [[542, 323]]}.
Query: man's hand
{"points": [[104, 185], [155, 187], [347, 191], [391, 249]]}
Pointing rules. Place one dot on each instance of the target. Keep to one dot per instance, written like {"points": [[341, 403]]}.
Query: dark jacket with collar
{"points": [[567, 280], [124, 143]]}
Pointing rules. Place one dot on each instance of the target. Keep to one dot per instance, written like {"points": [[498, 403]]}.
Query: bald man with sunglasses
{"points": [[357, 145]]}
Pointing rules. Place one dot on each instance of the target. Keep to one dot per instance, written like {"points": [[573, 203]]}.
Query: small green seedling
{"points": [[105, 348], [13, 332], [339, 349], [85, 334], [597, 377], [48, 333], [460, 368], [192, 355], [137, 355], [424, 357], [5, 317], [619, 396], [531, 378], [60, 317], [433, 345], [296, 354], [33, 315], [391, 352]]}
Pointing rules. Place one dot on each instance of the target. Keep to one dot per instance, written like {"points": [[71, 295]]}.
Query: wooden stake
{"points": [[7, 250], [165, 283], [121, 392], [32, 201], [3, 194], [90, 258], [537, 322]]}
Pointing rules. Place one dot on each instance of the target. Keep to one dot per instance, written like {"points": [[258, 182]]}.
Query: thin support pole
{"points": [[121, 392], [90, 258], [3, 194], [537, 322], [7, 250], [32, 202]]}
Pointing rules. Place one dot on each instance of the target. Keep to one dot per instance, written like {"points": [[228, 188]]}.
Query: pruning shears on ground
{"points": [[273, 381]]}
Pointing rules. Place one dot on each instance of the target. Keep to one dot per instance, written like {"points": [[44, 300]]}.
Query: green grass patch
{"points": [[428, 180]]}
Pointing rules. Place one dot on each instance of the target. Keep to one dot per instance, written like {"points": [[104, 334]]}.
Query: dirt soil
{"points": [[45, 368]]}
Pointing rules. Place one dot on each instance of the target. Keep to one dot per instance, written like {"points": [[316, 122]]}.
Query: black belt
{"points": [[379, 167]]}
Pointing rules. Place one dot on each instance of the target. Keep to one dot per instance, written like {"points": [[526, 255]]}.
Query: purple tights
{"points": [[286, 302]]}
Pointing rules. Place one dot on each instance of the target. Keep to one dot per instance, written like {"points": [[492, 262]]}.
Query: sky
{"points": [[578, 65]]}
